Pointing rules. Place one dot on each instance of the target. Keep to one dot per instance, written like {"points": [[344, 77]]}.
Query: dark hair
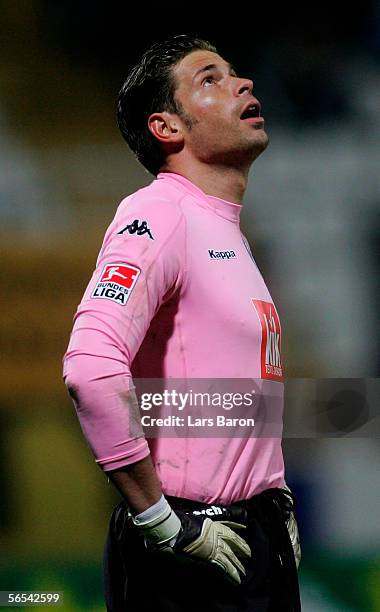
{"points": [[150, 88]]}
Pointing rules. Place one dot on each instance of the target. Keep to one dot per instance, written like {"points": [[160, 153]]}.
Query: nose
{"points": [[242, 86]]}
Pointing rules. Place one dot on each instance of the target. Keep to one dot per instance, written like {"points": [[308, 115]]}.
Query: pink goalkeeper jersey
{"points": [[175, 294]]}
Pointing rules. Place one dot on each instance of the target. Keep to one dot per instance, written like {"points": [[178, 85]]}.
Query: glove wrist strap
{"points": [[159, 523]]}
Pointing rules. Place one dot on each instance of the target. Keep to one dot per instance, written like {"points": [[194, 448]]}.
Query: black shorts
{"points": [[140, 580]]}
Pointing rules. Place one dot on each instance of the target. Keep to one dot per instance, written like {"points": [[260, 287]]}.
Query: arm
{"points": [[134, 276], [138, 484]]}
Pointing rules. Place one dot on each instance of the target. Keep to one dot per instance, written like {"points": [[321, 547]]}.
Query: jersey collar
{"points": [[223, 208]]}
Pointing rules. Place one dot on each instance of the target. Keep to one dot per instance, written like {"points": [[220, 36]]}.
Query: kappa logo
{"points": [[221, 254], [116, 282], [137, 228], [271, 366]]}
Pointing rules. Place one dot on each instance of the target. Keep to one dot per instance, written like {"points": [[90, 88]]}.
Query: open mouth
{"points": [[251, 112]]}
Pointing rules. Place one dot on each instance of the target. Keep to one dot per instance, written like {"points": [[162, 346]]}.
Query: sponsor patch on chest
{"points": [[116, 282], [271, 366]]}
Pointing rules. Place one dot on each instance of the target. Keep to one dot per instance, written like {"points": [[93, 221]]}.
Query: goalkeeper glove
{"points": [[196, 536]]}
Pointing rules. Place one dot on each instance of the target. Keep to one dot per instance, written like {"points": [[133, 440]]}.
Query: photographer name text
{"points": [[191, 421]]}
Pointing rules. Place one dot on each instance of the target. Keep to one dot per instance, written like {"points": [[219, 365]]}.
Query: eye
{"points": [[208, 81]]}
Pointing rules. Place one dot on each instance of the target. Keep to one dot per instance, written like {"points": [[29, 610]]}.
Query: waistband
{"points": [[282, 499]]}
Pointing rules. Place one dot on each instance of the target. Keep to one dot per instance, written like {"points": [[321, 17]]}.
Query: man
{"points": [[176, 294]]}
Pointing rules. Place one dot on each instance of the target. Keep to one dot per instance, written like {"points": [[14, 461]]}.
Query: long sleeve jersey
{"points": [[176, 294]]}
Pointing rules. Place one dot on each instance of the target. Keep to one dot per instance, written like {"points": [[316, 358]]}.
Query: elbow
{"points": [[88, 378], [75, 376], [72, 386]]}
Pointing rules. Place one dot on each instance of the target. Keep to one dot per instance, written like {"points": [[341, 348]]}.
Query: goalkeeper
{"points": [[205, 523]]}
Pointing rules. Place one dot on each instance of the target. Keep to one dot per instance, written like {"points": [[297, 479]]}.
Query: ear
{"points": [[165, 127]]}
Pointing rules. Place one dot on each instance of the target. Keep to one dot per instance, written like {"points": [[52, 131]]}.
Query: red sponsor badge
{"points": [[271, 367], [116, 282]]}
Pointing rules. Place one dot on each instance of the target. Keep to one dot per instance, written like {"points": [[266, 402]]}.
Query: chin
{"points": [[260, 143], [261, 135]]}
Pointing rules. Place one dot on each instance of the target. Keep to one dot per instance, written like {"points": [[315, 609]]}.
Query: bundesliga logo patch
{"points": [[116, 283], [271, 367]]}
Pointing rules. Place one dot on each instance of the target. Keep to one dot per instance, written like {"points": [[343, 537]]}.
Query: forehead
{"points": [[185, 70]]}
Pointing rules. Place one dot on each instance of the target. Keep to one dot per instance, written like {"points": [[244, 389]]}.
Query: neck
{"points": [[227, 183]]}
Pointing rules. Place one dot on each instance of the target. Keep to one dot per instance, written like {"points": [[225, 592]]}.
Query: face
{"points": [[220, 117]]}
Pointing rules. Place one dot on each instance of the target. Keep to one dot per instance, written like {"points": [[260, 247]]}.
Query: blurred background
{"points": [[312, 217]]}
